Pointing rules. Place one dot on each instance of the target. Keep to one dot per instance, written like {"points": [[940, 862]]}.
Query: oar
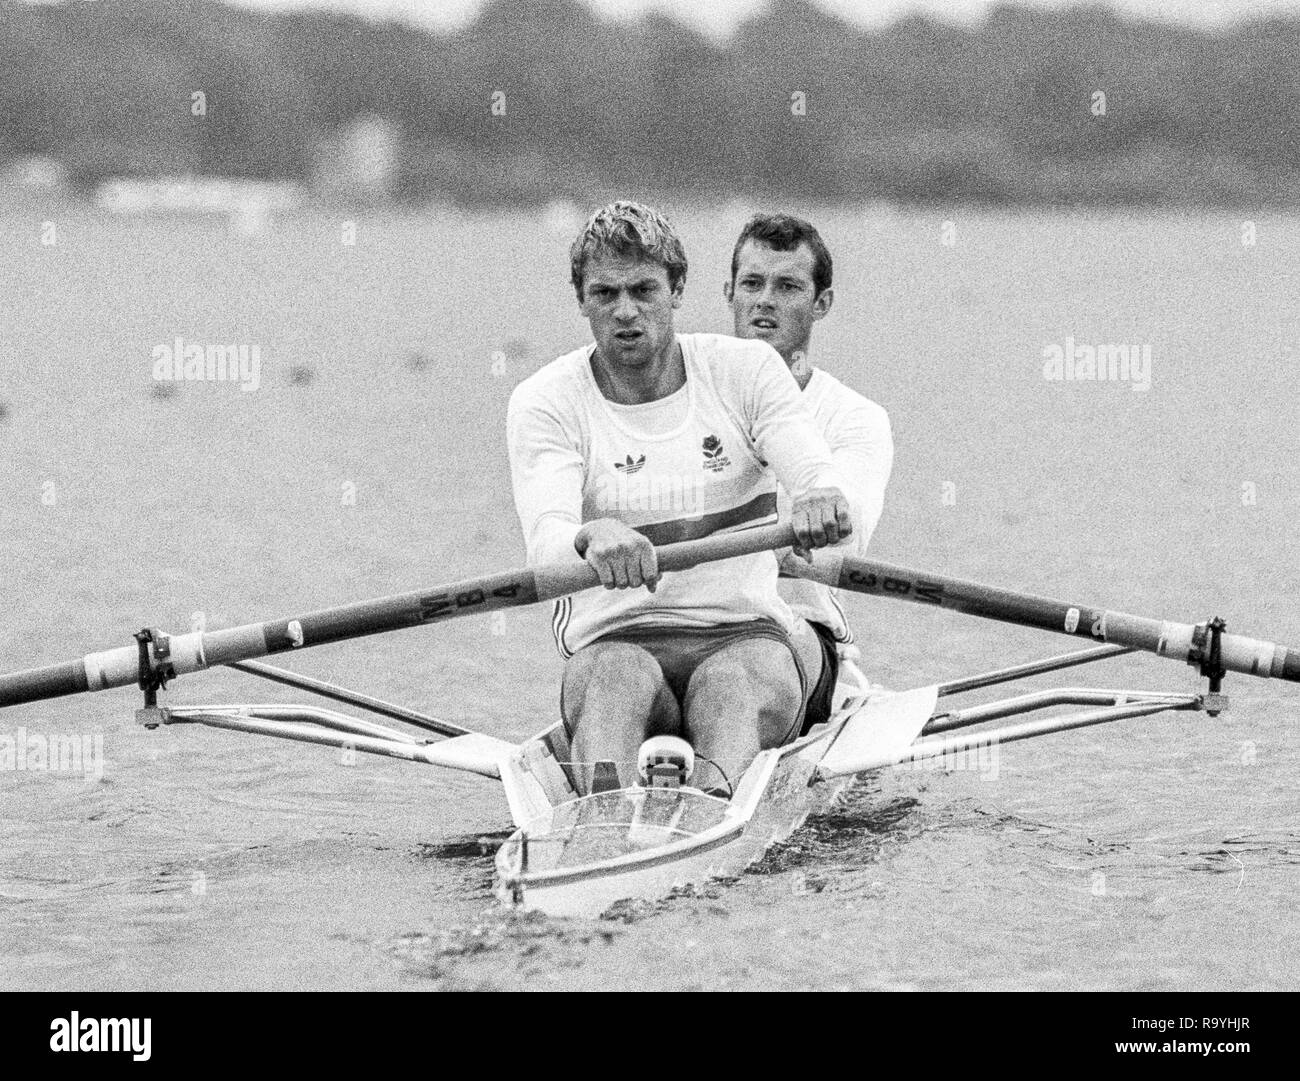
{"points": [[198, 650], [1196, 644]]}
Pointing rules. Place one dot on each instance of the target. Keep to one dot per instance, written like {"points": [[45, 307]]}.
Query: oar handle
{"points": [[560, 579], [198, 650]]}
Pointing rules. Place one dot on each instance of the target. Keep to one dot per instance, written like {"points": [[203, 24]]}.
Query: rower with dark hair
{"points": [[780, 285]]}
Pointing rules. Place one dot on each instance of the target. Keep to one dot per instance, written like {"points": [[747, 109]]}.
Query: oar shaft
{"points": [[198, 650], [1179, 640]]}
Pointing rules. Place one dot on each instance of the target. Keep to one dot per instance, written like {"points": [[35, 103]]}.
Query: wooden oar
{"points": [[199, 650], [1193, 643]]}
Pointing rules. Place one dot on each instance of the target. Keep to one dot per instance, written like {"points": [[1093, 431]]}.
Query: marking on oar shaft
{"points": [[930, 592], [437, 604]]}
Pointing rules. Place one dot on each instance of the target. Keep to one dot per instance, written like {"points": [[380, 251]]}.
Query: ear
{"points": [[678, 294], [728, 290], [823, 303]]}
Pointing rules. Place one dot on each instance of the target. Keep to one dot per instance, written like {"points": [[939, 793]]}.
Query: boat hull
{"points": [[584, 855]]}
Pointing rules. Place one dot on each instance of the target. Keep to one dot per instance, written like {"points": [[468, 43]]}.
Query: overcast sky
{"points": [[717, 16]]}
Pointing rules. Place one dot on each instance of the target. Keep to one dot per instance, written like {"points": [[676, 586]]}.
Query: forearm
{"points": [[801, 460], [546, 475], [552, 540], [862, 445], [786, 435]]}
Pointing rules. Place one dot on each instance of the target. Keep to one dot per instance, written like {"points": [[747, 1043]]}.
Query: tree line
{"points": [[540, 99]]}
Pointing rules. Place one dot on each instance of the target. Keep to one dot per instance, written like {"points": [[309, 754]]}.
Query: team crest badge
{"points": [[714, 460]]}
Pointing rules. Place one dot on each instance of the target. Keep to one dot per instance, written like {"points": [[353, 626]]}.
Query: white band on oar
{"points": [[198, 650], [1183, 641]]}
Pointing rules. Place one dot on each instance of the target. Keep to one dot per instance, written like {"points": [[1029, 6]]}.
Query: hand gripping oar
{"points": [[157, 657], [1205, 645]]}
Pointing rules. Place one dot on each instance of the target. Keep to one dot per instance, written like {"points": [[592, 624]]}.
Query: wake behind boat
{"points": [[641, 836]]}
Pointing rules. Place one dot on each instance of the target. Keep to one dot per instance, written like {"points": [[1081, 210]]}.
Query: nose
{"points": [[624, 308], [765, 298]]}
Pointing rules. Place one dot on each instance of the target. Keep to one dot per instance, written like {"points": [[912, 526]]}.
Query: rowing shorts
{"points": [[680, 650], [821, 701]]}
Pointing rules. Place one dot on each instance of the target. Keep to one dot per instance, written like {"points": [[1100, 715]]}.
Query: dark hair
{"points": [[628, 228], [785, 233]]}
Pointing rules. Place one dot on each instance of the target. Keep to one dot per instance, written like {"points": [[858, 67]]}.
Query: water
{"points": [[1154, 854]]}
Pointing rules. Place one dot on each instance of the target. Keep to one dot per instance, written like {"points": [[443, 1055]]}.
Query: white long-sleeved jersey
{"points": [[857, 431], [686, 466]]}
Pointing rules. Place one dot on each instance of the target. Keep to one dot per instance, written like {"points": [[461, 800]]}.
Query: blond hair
{"points": [[628, 228]]}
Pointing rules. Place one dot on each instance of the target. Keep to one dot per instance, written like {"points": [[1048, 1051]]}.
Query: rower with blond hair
{"points": [[646, 436]]}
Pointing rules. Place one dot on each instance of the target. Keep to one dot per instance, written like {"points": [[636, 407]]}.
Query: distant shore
{"points": [[539, 100]]}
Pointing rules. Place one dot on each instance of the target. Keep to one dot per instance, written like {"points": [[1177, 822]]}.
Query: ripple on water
{"points": [[475, 855], [843, 841], [533, 940]]}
